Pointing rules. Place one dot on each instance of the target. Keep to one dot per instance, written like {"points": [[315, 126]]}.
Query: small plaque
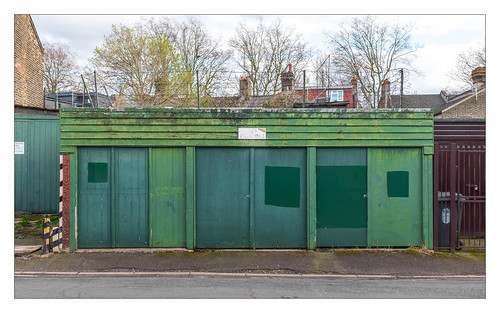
{"points": [[251, 133]]}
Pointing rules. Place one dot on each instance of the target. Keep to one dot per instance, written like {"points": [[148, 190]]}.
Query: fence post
{"points": [[57, 232], [46, 234]]}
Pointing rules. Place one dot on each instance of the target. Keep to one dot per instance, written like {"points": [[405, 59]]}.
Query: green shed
{"points": [[36, 163], [249, 178]]}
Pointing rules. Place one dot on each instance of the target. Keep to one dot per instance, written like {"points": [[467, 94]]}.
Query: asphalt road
{"points": [[244, 288]]}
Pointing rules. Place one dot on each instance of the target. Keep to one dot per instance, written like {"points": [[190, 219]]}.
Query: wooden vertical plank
{"points": [[427, 201], [311, 198], [190, 199]]}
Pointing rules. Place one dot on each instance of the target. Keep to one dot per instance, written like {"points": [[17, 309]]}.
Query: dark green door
{"points": [[94, 198], [280, 198], [395, 197], [168, 197], [222, 198], [130, 208], [112, 197], [341, 184]]}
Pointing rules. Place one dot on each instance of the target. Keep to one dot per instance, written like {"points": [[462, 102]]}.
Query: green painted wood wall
{"points": [[219, 127], [193, 129]]}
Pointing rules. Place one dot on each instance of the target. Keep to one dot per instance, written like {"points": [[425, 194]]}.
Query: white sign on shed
{"points": [[251, 133], [19, 147]]}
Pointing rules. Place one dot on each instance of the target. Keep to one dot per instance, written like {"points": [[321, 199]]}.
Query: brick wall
{"points": [[314, 93], [28, 63], [469, 108]]}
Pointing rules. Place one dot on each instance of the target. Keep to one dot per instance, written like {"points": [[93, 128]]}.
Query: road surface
{"points": [[243, 288]]}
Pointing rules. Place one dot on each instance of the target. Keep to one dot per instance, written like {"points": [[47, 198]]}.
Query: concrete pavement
{"points": [[336, 263]]}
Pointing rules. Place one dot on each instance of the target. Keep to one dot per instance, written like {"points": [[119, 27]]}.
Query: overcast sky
{"points": [[442, 36]]}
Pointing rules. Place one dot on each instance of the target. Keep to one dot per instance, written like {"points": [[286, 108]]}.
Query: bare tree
{"points": [[199, 51], [467, 61], [372, 52], [59, 67], [265, 51]]}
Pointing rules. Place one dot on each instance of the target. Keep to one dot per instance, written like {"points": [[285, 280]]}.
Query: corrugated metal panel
{"points": [[394, 197], [341, 180], [36, 176], [280, 198], [168, 197], [454, 131], [219, 127]]}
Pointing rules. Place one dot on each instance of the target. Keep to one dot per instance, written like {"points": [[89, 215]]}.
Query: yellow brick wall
{"points": [[469, 108], [28, 63]]}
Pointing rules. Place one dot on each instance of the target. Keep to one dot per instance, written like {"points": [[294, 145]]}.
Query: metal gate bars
{"points": [[459, 195]]}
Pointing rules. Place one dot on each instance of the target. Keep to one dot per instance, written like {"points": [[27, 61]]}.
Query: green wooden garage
{"points": [[249, 178]]}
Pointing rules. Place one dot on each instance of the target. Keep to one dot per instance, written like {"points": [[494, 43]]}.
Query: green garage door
{"points": [[113, 197], [250, 198], [395, 197], [222, 198], [341, 219], [168, 197], [94, 198], [130, 207], [280, 198]]}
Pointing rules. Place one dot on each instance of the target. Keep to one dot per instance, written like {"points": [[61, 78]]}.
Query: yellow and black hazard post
{"points": [[46, 234]]}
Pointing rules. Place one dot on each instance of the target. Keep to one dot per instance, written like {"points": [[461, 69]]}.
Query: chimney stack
{"points": [[479, 77], [245, 87], [385, 98], [287, 80], [354, 83]]}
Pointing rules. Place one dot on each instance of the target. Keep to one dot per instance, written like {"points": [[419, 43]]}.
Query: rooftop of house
{"points": [[437, 102]]}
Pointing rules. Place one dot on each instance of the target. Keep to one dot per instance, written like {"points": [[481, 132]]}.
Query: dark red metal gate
{"points": [[459, 185]]}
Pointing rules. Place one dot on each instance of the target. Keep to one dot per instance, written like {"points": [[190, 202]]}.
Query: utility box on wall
{"points": [[249, 178]]}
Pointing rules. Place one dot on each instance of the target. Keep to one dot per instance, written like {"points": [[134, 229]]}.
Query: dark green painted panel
{"points": [[94, 202], [168, 197], [340, 201], [97, 172], [341, 183], [282, 186], [36, 172], [280, 226], [130, 191], [394, 221], [222, 198], [397, 184]]}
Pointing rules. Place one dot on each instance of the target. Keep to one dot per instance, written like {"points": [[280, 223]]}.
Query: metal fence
{"points": [[459, 195]]}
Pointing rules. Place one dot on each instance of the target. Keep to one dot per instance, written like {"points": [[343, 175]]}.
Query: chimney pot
{"points": [[354, 84], [245, 87], [479, 77], [287, 79]]}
